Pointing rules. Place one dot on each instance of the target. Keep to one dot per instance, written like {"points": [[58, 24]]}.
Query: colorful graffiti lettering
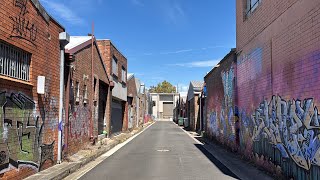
{"points": [[292, 127], [214, 127], [21, 134]]}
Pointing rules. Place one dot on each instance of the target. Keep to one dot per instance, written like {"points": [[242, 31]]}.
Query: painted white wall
{"points": [[119, 91], [158, 108]]}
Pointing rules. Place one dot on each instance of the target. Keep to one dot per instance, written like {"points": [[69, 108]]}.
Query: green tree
{"points": [[164, 87]]}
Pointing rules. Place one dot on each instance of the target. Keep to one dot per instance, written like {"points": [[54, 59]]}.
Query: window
{"points": [[123, 75], [85, 94], [14, 62], [77, 92], [95, 89], [251, 6], [115, 66]]}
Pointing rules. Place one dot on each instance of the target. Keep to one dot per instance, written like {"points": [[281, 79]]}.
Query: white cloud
{"points": [[199, 64], [173, 11], [177, 52], [63, 11]]}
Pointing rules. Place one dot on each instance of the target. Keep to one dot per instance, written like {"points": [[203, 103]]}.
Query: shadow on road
{"points": [[216, 162]]}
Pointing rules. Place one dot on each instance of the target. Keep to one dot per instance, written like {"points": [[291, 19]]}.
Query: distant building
{"points": [[194, 92], [163, 104]]}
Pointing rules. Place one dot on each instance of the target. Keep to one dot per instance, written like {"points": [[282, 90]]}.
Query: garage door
{"points": [[167, 109], [116, 117]]}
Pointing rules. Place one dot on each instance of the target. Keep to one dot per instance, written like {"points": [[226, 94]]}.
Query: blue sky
{"points": [[173, 40]]}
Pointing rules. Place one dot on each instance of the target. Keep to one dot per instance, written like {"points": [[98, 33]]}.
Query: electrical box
{"points": [[41, 84]]}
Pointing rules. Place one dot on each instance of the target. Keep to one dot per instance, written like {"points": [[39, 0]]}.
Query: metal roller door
{"points": [[116, 117], [167, 109]]}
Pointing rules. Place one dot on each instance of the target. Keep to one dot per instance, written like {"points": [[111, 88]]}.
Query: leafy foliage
{"points": [[164, 87]]}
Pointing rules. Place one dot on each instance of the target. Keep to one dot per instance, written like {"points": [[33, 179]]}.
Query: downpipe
{"points": [[64, 39]]}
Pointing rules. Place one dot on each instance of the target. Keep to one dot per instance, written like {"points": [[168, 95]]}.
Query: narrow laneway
{"points": [[163, 152]]}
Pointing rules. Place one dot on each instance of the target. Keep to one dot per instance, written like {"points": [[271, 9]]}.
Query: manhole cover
{"points": [[163, 150]]}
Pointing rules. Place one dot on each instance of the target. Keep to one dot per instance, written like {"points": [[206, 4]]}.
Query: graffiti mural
{"points": [[79, 120], [221, 119], [292, 127], [228, 86], [21, 133], [23, 28], [213, 124], [222, 125]]}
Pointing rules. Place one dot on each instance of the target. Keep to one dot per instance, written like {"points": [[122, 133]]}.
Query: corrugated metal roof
{"points": [[76, 41], [129, 76], [197, 84]]}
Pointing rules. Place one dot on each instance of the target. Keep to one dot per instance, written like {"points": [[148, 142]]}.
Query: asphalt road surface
{"points": [[162, 152]]}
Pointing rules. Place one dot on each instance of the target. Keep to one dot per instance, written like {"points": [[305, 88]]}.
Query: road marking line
{"points": [[88, 167], [163, 150]]}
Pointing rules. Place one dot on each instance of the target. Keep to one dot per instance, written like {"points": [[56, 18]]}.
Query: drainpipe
{"points": [[92, 86], [64, 39], [200, 128]]}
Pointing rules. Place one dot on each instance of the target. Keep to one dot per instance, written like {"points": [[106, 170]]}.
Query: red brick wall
{"points": [[277, 85], [132, 90], [23, 104], [79, 112], [108, 50], [192, 113]]}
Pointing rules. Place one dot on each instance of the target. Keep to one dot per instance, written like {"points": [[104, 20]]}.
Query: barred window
{"points": [[14, 62]]}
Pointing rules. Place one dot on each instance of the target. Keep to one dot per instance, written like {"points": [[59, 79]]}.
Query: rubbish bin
{"points": [[186, 122], [180, 121]]}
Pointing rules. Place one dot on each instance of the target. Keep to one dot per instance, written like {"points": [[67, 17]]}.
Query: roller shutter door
{"points": [[116, 117], [167, 109]]}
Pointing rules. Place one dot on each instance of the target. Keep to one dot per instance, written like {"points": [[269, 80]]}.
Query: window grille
{"points": [[14, 62]]}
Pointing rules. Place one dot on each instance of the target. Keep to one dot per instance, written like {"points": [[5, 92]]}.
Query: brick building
{"points": [[143, 104], [194, 92], [133, 103], [220, 100], [88, 93], [30, 42], [278, 84], [116, 65]]}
